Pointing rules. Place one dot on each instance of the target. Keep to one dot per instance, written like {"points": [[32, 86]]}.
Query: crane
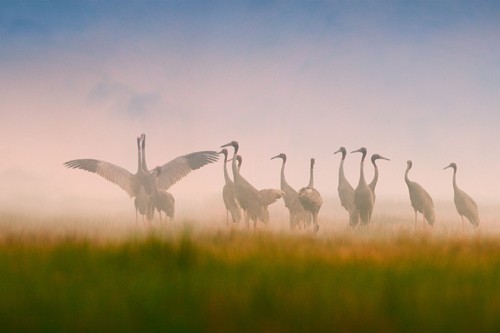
{"points": [[228, 194], [268, 196], [133, 184], [310, 198], [373, 183], [363, 195], [421, 201], [346, 191], [291, 197], [466, 206], [247, 195]]}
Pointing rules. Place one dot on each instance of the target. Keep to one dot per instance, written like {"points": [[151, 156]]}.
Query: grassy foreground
{"points": [[238, 281]]}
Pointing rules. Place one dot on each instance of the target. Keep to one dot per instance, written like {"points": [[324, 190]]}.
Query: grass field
{"points": [[234, 280]]}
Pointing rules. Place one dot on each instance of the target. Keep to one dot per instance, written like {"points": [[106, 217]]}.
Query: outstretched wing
{"points": [[113, 173], [181, 166]]}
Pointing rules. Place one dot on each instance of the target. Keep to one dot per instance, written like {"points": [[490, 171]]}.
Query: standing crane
{"points": [[310, 198], [346, 191], [248, 197], [373, 183], [268, 196], [421, 201], [465, 205], [363, 195], [291, 197], [228, 194], [170, 174]]}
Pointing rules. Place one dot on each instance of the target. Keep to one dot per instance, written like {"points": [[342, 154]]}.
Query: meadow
{"points": [[180, 278]]}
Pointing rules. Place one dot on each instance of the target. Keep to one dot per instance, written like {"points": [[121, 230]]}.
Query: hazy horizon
{"points": [[406, 80]]}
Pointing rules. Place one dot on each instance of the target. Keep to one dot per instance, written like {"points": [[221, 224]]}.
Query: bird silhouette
{"points": [[363, 195], [228, 194], [310, 198], [421, 201], [291, 198], [465, 205], [247, 195], [134, 184], [268, 196], [346, 191], [163, 200]]}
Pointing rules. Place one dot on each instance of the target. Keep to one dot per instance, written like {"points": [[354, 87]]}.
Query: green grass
{"points": [[251, 282]]}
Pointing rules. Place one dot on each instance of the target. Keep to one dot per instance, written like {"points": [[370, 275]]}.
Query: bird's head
{"points": [[378, 157], [360, 150], [313, 160], [409, 164], [224, 152], [282, 156], [343, 151], [233, 144], [143, 139], [451, 165]]}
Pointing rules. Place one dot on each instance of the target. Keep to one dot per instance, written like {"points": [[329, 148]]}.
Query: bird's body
{"points": [[466, 206], [346, 191], [363, 195], [420, 199], [310, 198], [247, 195], [269, 196], [291, 198], [163, 200], [142, 182], [229, 195]]}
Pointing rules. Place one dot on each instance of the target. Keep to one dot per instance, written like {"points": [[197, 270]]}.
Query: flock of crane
{"points": [[244, 201]]}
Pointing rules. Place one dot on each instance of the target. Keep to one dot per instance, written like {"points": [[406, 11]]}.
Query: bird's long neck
{"points": [[311, 176], [341, 171], [362, 171], [407, 180], [144, 166], [375, 175], [234, 165], [455, 187], [283, 180], [226, 174], [138, 157]]}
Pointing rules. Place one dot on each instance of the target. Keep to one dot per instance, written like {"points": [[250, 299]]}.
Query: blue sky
{"points": [[413, 80]]}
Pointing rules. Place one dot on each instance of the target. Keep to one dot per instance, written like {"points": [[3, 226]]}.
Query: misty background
{"points": [[407, 80]]}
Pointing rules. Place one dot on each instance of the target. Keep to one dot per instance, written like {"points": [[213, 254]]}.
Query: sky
{"points": [[415, 80]]}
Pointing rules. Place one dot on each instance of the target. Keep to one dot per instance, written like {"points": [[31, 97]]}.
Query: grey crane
{"points": [[247, 195], [466, 206], [171, 172], [363, 195], [374, 181], [268, 196], [228, 194], [421, 201], [163, 200], [291, 197], [346, 191], [310, 198]]}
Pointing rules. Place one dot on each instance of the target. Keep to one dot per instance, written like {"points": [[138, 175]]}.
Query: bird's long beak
{"points": [[275, 157], [338, 151], [384, 158], [356, 151], [227, 145], [446, 167]]}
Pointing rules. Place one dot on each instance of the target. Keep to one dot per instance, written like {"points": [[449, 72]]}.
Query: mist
{"points": [[276, 78]]}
